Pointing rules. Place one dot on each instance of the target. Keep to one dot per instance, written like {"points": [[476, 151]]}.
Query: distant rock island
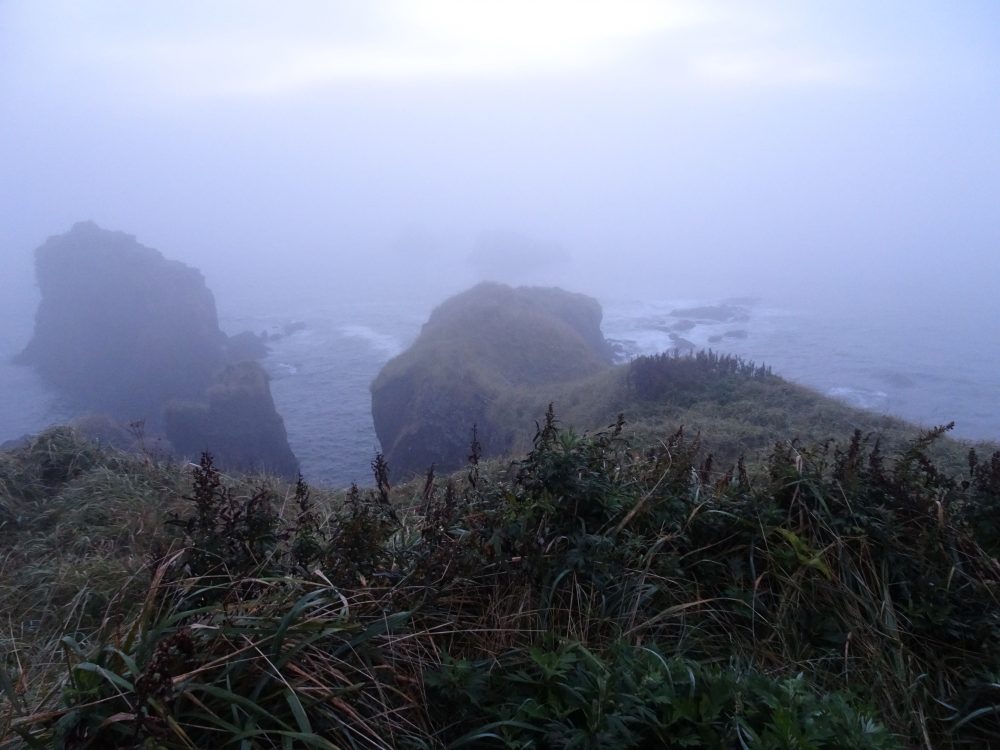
{"points": [[120, 328], [478, 360], [123, 331]]}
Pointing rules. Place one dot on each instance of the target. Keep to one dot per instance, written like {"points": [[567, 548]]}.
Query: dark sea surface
{"points": [[929, 372]]}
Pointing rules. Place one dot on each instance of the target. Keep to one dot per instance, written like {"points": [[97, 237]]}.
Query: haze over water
{"points": [[839, 161]]}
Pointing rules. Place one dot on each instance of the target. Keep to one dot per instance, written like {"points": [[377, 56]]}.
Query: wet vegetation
{"points": [[496, 356], [595, 593], [688, 377]]}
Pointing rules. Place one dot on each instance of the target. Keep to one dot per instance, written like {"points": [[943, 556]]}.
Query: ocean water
{"points": [[320, 377], [924, 369], [927, 373]]}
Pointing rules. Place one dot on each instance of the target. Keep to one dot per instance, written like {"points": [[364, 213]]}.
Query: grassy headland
{"points": [[496, 356]]}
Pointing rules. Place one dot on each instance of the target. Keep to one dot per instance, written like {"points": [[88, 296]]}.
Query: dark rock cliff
{"points": [[478, 354], [123, 331], [237, 423]]}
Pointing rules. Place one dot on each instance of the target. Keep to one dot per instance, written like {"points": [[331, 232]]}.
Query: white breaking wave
{"points": [[383, 343], [859, 397], [282, 370]]}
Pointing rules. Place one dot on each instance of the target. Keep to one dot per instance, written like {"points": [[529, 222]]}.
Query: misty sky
{"points": [[834, 151]]}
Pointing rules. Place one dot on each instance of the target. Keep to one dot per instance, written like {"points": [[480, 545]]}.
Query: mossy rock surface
{"points": [[480, 356], [495, 357]]}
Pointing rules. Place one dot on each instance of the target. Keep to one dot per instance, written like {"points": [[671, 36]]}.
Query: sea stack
{"points": [[120, 329], [125, 332], [480, 358], [236, 422]]}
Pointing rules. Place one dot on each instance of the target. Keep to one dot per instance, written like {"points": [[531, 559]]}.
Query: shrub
{"points": [[590, 595]]}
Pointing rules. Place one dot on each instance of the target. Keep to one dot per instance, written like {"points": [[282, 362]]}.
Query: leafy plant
{"points": [[596, 593]]}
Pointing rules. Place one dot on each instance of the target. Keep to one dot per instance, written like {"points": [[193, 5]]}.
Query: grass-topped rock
{"points": [[479, 357], [494, 357]]}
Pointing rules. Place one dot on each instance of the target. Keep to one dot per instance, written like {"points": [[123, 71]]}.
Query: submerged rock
{"points": [[477, 352]]}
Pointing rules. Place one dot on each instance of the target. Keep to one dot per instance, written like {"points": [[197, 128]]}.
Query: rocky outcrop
{"points": [[122, 331], [237, 423], [245, 346], [480, 355]]}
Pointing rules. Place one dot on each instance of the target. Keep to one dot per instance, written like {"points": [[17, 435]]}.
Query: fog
{"points": [[842, 155]]}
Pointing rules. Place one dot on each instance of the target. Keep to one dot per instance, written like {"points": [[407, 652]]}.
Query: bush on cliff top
{"points": [[495, 356]]}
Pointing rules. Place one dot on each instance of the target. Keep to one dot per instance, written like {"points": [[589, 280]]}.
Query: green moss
{"points": [[483, 358]]}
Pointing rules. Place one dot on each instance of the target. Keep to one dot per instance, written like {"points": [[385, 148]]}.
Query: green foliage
{"points": [[596, 593], [307, 540], [227, 533], [981, 507], [688, 376], [566, 696], [569, 483], [483, 357], [46, 462], [201, 675]]}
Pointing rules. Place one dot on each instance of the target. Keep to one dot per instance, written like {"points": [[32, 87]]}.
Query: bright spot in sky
{"points": [[250, 51]]}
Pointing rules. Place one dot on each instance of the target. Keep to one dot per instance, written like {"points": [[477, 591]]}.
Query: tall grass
{"points": [[595, 594]]}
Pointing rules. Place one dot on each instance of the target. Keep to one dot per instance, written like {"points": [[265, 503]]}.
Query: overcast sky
{"points": [[819, 150]]}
